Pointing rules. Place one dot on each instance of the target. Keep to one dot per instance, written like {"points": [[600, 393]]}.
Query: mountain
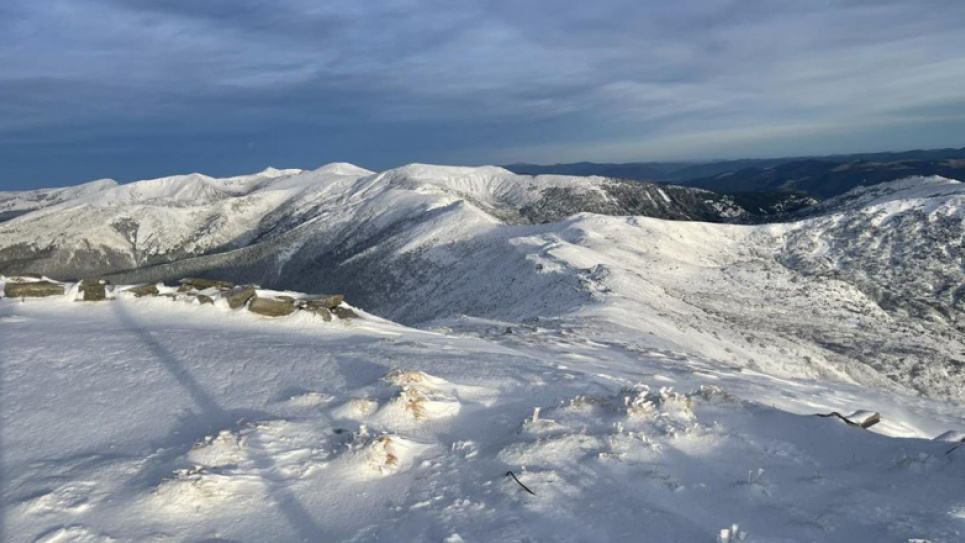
{"points": [[866, 290], [822, 176], [558, 368], [169, 219], [658, 172], [15, 203]]}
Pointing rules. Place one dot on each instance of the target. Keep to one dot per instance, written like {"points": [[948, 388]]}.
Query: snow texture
{"points": [[645, 379]]}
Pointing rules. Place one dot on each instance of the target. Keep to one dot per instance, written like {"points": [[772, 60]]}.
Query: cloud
{"points": [[575, 80]]}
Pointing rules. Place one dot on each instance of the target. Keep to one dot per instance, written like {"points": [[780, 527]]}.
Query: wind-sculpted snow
{"points": [[145, 419]]}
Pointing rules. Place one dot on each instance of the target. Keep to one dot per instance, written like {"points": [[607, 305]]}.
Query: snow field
{"points": [[146, 420]]}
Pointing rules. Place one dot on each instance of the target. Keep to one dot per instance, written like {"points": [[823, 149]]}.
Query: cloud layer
{"points": [[134, 88]]}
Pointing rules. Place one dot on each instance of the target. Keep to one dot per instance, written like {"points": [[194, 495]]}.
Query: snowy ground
{"points": [[152, 420]]}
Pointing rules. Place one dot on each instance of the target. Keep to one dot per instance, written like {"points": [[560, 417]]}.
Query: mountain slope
{"points": [[822, 176], [147, 419], [426, 244], [170, 219], [827, 178], [15, 203]]}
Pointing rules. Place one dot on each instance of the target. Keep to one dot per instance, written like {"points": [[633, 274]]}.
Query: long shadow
{"points": [[4, 310], [211, 415]]}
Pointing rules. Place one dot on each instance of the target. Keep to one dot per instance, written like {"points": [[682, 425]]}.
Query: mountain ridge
{"points": [[865, 290]]}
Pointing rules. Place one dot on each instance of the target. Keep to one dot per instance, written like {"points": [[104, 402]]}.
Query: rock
{"points": [[33, 289], [94, 290], [322, 312], [271, 307], [239, 296], [144, 290], [861, 419], [194, 283], [326, 301], [205, 299], [864, 419], [343, 312], [286, 298]]}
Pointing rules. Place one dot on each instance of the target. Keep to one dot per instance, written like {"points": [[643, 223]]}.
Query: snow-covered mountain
{"points": [[642, 378], [868, 289], [14, 203]]}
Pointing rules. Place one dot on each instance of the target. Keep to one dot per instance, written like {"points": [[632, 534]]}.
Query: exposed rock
{"points": [[322, 312], [33, 289], [286, 298], [144, 290], [194, 283], [326, 301], [271, 307], [343, 312], [205, 299], [95, 290], [239, 296]]}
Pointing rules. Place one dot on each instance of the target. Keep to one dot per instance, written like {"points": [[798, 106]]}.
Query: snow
{"points": [[646, 379], [143, 419]]}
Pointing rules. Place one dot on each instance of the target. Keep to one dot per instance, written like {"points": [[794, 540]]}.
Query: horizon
{"points": [[377, 170], [138, 90]]}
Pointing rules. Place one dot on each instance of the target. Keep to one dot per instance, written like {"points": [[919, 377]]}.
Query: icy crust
{"points": [[145, 420]]}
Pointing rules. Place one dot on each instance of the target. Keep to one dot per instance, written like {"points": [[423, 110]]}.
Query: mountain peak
{"points": [[343, 168], [275, 172]]}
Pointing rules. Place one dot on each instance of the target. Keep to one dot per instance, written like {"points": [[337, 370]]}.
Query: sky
{"points": [[134, 89]]}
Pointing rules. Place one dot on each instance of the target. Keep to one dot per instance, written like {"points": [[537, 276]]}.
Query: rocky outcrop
{"points": [[32, 289], [239, 296], [272, 307], [343, 312], [144, 290], [94, 290], [321, 301], [322, 312], [193, 283]]}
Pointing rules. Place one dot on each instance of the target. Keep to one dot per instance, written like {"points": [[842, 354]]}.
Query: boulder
{"points": [[343, 312], [271, 307], [322, 312], [194, 283], [239, 296], [326, 301], [205, 299], [144, 290], [95, 290], [33, 289]]}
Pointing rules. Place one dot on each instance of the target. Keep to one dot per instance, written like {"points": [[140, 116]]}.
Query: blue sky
{"points": [[132, 89]]}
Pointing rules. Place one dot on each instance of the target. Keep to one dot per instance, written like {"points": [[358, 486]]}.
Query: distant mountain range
{"points": [[823, 177], [867, 287]]}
